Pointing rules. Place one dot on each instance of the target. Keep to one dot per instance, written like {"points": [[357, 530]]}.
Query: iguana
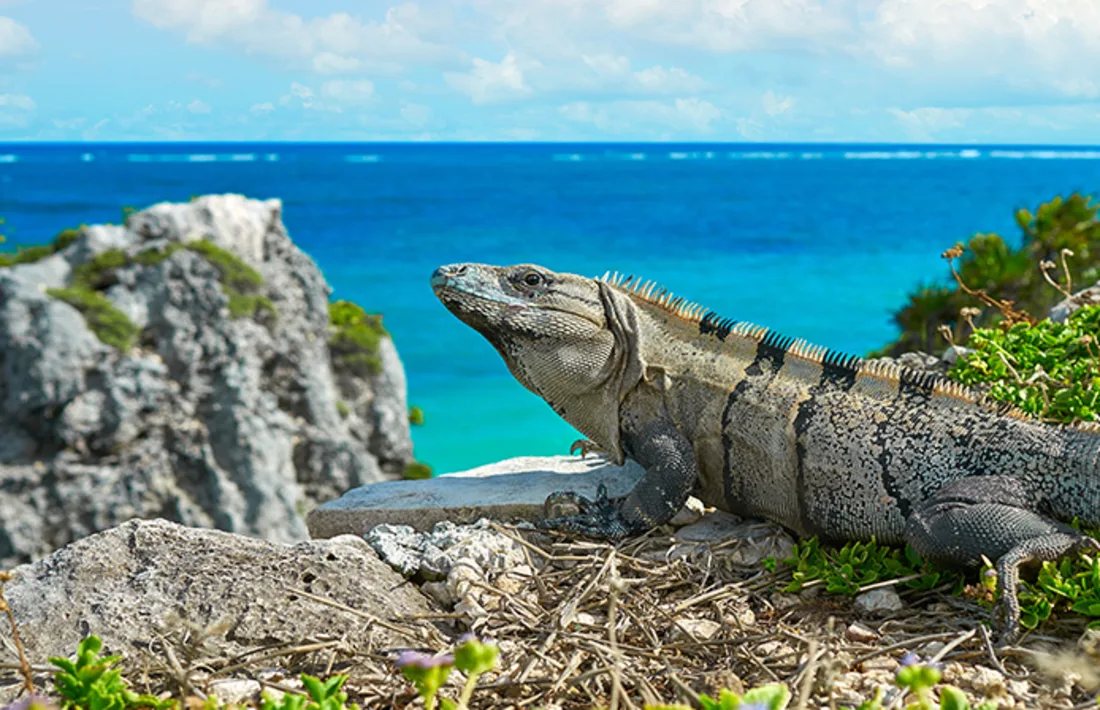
{"points": [[761, 425]]}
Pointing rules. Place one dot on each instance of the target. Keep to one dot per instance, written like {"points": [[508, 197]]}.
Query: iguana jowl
{"points": [[760, 425]]}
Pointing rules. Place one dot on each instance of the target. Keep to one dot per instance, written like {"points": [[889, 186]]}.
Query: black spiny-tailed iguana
{"points": [[759, 425]]}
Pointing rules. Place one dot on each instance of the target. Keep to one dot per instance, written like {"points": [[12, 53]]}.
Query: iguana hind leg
{"points": [[992, 516], [669, 460]]}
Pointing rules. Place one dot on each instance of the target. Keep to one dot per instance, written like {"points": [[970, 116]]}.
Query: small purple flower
{"points": [[910, 659], [416, 659], [757, 705], [466, 637], [32, 702]]}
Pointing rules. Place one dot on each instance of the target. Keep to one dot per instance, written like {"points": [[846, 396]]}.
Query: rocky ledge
{"points": [[187, 365]]}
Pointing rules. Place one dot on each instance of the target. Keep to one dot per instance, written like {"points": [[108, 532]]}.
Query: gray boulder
{"points": [[150, 580], [507, 490], [228, 409], [1090, 296]]}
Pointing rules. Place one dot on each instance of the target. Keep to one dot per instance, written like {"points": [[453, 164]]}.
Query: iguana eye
{"points": [[532, 278]]}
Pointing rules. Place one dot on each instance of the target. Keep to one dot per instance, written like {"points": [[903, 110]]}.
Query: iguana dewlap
{"points": [[760, 425]]}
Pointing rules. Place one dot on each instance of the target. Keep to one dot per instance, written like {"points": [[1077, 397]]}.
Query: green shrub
{"points": [[245, 305], [416, 416], [97, 272], [108, 323], [235, 274], [92, 683], [343, 409], [66, 237], [848, 569], [152, 257], [416, 470], [354, 338], [1064, 232], [1050, 370], [320, 695]]}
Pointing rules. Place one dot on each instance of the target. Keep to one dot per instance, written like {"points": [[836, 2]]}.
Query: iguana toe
{"points": [[598, 518], [585, 446]]}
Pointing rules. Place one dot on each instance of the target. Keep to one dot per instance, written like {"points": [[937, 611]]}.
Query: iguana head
{"points": [[569, 339]]}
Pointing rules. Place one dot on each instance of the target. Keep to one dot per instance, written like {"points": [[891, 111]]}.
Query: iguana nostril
{"points": [[442, 275]]}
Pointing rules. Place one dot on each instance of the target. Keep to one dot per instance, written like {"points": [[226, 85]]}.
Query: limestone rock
{"points": [[1086, 297], [511, 489], [878, 601], [145, 578], [230, 419]]}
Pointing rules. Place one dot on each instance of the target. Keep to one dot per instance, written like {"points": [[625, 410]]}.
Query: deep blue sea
{"points": [[816, 241]]}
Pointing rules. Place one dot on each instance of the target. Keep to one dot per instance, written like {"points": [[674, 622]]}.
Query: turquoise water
{"points": [[819, 242]]}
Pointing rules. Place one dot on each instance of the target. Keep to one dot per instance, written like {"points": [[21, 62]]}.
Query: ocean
{"points": [[821, 242]]}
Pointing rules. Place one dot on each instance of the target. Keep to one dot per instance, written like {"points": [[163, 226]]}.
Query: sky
{"points": [[911, 71]]}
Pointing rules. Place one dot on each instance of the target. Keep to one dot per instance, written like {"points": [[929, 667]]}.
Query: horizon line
{"points": [[403, 143]]}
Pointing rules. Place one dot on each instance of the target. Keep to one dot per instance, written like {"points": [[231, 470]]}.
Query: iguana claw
{"points": [[585, 446], [598, 518]]}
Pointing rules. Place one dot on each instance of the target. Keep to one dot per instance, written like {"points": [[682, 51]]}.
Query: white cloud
{"points": [[334, 43], [265, 107], [331, 63], [607, 65], [487, 82], [212, 82], [1039, 46], [16, 110], [347, 91], [416, 115], [301, 92], [774, 105], [198, 106], [693, 115], [21, 102], [922, 124], [15, 39], [659, 80]]}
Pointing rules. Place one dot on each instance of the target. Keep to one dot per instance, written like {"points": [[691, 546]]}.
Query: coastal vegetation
{"points": [[240, 282], [354, 338], [1058, 248]]}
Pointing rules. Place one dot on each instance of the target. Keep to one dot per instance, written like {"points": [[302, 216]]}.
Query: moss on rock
{"points": [[416, 470], [355, 337], [235, 273], [38, 252], [109, 324]]}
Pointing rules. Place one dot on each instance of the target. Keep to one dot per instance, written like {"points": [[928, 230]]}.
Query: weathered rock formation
{"points": [[185, 366], [150, 580]]}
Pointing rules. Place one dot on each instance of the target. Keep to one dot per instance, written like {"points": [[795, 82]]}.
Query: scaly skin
{"points": [[760, 425]]}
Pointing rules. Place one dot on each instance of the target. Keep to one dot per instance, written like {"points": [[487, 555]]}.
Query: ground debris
{"points": [[579, 622]]}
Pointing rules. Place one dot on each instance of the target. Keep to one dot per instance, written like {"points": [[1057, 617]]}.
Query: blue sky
{"points": [[957, 71]]}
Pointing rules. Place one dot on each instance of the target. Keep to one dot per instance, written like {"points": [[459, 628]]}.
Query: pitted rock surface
{"points": [[210, 420]]}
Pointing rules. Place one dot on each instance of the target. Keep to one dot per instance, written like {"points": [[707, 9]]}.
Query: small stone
{"points": [[692, 511], [858, 633], [232, 691], [585, 619], [878, 601], [742, 616], [930, 649], [988, 682], [783, 601], [698, 629], [716, 526], [1019, 689], [879, 663]]}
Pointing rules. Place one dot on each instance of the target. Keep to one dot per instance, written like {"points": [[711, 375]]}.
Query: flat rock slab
{"points": [[144, 579], [508, 490]]}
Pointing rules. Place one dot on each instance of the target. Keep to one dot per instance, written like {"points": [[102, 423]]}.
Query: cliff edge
{"points": [[186, 366]]}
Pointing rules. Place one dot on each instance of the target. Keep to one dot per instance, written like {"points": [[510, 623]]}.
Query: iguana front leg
{"points": [[992, 516], [669, 461]]}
